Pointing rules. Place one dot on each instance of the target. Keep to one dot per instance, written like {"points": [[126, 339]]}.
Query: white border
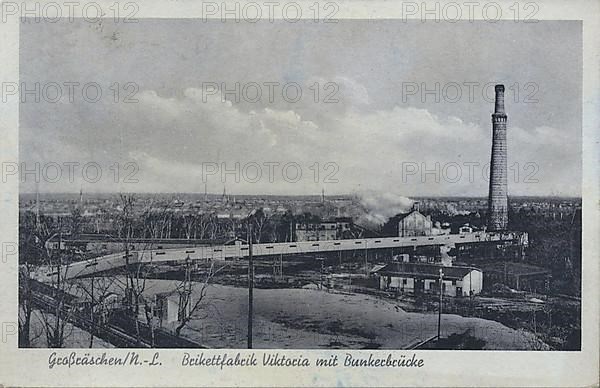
{"points": [[29, 367]]}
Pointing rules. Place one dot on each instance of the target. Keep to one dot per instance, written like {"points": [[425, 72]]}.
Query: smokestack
{"points": [[498, 195]]}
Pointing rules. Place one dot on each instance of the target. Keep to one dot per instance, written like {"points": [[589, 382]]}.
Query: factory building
{"points": [[414, 224], [415, 278], [323, 231]]}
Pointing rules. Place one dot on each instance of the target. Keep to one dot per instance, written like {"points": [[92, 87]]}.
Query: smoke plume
{"points": [[379, 207]]}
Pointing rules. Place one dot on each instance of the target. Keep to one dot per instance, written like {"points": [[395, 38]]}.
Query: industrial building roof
{"points": [[428, 271]]}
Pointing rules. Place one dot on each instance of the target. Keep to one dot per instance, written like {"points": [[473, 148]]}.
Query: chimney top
{"points": [[499, 105]]}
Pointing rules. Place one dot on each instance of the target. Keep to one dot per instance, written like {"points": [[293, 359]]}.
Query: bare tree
{"points": [[203, 224], [260, 220], [29, 249], [192, 295], [56, 319], [157, 223], [189, 224], [98, 290], [26, 308], [125, 230], [41, 240]]}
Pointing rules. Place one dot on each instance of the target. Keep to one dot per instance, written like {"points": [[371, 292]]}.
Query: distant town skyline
{"points": [[374, 137], [316, 196]]}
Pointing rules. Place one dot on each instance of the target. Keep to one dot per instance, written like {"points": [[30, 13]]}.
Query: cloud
{"points": [[170, 138], [369, 134]]}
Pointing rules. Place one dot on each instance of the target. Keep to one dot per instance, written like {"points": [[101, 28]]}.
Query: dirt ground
{"points": [[310, 319]]}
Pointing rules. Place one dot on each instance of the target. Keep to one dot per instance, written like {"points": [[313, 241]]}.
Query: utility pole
{"points": [[188, 288], [321, 259], [59, 261], [250, 280], [281, 266], [440, 308], [37, 207], [470, 292], [92, 304], [321, 278], [366, 259], [250, 285], [128, 279]]}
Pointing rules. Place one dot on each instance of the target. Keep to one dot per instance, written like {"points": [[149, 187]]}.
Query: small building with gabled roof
{"points": [[414, 224], [416, 278]]}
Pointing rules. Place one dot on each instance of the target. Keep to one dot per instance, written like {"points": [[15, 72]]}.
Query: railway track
{"points": [[119, 331], [110, 333]]}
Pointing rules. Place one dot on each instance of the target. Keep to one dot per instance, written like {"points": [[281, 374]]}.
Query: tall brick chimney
{"points": [[498, 195]]}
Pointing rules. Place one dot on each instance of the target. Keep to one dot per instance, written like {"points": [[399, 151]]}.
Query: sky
{"points": [[368, 129]]}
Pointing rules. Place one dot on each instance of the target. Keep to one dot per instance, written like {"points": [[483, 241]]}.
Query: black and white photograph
{"points": [[319, 186], [377, 189]]}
